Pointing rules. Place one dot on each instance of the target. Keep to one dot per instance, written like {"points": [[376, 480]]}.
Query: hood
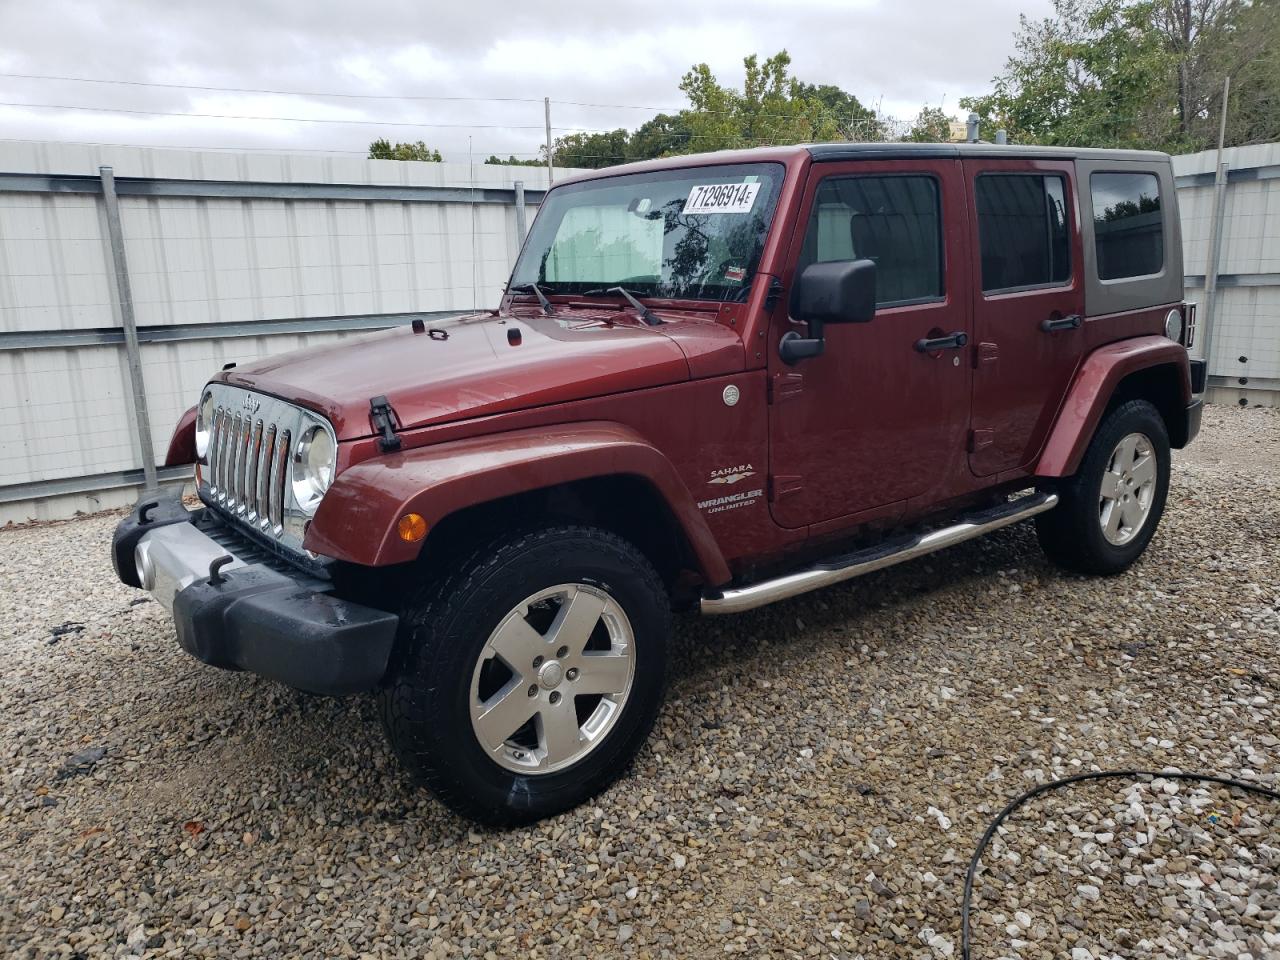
{"points": [[468, 367]]}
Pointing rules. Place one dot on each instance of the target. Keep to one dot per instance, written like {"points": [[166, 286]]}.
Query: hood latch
{"points": [[384, 421]]}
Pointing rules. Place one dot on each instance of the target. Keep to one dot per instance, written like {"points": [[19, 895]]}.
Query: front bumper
{"points": [[1195, 409], [251, 613]]}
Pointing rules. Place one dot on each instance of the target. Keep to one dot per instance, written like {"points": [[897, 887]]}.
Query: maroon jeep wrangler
{"points": [[713, 381]]}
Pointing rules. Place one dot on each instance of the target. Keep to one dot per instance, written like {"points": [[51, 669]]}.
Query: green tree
{"points": [[591, 150], [855, 121], [1138, 73], [383, 149], [664, 135], [511, 161], [773, 107], [931, 125]]}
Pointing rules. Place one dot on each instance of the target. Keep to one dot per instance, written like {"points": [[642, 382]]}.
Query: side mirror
{"points": [[842, 291]]}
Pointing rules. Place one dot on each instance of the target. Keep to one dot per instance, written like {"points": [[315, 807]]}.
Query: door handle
{"points": [[954, 341], [1049, 325]]}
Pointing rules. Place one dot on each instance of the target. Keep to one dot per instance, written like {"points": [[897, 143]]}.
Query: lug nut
{"points": [[562, 653], [555, 696], [537, 662], [572, 673], [533, 690]]}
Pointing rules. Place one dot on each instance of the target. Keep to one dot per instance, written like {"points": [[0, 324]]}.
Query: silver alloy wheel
{"points": [[1128, 489], [552, 679]]}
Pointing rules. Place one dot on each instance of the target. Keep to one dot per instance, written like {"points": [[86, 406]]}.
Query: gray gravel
{"points": [[817, 781]]}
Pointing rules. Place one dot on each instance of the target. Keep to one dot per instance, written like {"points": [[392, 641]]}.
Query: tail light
{"points": [[1188, 338]]}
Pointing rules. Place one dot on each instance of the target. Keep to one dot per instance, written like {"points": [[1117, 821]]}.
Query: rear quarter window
{"points": [[1128, 224]]}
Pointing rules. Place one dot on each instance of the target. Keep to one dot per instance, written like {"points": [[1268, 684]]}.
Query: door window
{"points": [[895, 221], [1023, 231], [1128, 226]]}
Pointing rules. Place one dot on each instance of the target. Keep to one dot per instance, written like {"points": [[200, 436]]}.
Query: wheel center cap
{"points": [[551, 674]]}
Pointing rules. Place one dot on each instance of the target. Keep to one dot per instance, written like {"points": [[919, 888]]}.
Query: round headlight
{"points": [[204, 426], [313, 463], [1173, 325]]}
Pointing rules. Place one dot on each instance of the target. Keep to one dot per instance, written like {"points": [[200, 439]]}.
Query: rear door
{"points": [[1028, 304], [874, 421]]}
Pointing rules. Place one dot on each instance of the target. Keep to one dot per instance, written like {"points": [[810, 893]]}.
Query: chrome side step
{"points": [[738, 599]]}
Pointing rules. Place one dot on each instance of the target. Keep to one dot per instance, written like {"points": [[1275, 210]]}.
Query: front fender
{"points": [[1094, 385], [357, 518], [182, 445]]}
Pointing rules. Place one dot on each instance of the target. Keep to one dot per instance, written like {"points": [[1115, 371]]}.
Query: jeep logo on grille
{"points": [[251, 403]]}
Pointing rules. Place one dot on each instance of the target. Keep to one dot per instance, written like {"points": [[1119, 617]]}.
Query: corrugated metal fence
{"points": [[1244, 347], [231, 256], [234, 256]]}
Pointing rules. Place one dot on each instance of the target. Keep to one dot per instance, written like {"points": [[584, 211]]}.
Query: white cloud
{"points": [[902, 54]]}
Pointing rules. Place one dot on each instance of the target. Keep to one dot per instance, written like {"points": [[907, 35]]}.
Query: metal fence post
{"points": [[124, 303], [1215, 235], [1216, 230], [521, 222]]}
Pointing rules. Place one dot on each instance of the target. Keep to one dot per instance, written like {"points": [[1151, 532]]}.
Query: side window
{"points": [[1128, 224], [1023, 231], [895, 221]]}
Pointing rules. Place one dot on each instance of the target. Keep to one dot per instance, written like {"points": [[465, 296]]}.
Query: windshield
{"points": [[688, 234]]}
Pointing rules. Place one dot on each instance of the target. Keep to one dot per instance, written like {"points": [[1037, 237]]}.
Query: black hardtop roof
{"points": [[829, 152], [886, 151]]}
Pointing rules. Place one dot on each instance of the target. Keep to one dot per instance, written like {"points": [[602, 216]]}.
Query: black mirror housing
{"points": [[840, 291]]}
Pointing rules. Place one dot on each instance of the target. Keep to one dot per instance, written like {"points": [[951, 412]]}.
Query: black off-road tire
{"points": [[445, 626], [1071, 534]]}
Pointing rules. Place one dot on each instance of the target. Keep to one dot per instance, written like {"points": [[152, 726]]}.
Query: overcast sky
{"points": [[895, 53]]}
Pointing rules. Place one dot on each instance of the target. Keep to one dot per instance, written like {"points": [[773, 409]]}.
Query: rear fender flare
{"points": [[357, 519], [1091, 391]]}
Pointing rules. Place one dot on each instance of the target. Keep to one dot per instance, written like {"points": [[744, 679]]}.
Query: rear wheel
{"points": [[1108, 511], [528, 679]]}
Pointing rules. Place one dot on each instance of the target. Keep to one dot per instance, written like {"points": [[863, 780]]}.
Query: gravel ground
{"points": [[818, 779]]}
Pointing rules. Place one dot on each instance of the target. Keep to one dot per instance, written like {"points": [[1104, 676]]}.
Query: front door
{"points": [[875, 420], [1028, 305]]}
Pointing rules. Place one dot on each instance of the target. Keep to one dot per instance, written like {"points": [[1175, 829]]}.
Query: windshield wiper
{"points": [[536, 290], [645, 313]]}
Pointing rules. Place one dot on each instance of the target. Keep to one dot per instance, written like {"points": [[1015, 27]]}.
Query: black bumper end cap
{"points": [[1199, 375], [1195, 412], [155, 508], [285, 629]]}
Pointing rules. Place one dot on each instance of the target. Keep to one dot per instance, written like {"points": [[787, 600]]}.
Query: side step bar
{"points": [[738, 599]]}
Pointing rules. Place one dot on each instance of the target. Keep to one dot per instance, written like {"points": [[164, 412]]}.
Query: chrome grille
{"points": [[246, 471]]}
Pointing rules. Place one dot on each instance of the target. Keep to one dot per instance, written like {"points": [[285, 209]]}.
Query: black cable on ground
{"points": [[1065, 781]]}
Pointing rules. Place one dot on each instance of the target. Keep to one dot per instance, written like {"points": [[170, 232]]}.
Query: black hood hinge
{"points": [[384, 421]]}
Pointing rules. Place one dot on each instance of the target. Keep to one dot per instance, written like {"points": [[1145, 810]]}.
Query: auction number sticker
{"points": [[722, 198]]}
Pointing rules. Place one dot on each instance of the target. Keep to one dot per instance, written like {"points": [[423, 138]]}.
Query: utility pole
{"points": [[1215, 234], [551, 170]]}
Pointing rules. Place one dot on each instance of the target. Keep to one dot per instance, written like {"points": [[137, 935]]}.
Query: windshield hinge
{"points": [[776, 289], [384, 421]]}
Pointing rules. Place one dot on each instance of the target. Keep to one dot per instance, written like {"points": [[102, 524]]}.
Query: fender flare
{"points": [[357, 519], [182, 444], [1092, 389]]}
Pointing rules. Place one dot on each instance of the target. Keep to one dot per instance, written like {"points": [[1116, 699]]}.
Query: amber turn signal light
{"points": [[412, 527]]}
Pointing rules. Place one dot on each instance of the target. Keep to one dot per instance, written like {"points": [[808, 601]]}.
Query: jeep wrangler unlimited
{"points": [[713, 381]]}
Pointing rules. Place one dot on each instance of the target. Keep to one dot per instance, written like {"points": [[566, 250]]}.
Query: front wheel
{"points": [[528, 678], [1108, 511]]}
